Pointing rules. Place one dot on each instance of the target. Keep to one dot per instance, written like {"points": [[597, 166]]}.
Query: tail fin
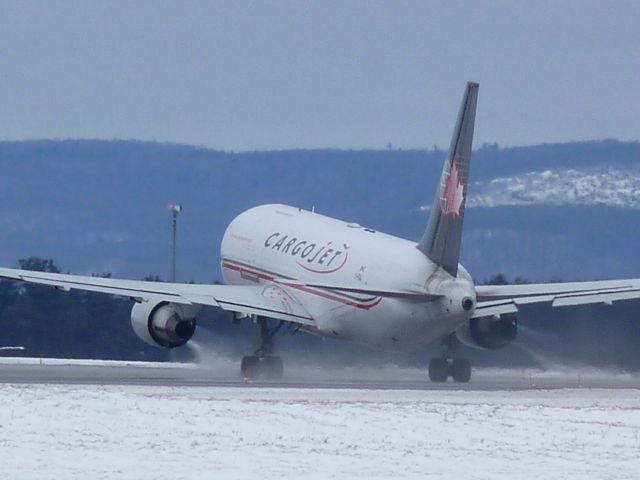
{"points": [[442, 238]]}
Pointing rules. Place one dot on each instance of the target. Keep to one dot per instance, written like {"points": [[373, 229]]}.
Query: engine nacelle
{"points": [[490, 333], [164, 324]]}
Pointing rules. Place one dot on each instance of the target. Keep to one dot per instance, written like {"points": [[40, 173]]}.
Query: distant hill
{"points": [[569, 211]]}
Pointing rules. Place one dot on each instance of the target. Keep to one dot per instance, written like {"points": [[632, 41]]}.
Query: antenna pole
{"points": [[175, 210]]}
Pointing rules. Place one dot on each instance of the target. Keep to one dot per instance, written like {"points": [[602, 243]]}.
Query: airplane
{"points": [[286, 266]]}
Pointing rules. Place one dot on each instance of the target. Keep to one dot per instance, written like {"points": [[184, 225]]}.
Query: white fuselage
{"points": [[315, 258]]}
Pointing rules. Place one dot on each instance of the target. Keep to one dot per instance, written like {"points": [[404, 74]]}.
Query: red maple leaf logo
{"points": [[452, 196]]}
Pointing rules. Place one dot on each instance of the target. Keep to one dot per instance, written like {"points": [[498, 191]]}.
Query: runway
{"points": [[225, 374]]}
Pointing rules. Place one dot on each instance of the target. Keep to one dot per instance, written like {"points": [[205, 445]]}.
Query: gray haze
{"points": [[268, 75]]}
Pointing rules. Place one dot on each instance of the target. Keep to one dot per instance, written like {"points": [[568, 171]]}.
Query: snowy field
{"points": [[135, 432], [91, 362]]}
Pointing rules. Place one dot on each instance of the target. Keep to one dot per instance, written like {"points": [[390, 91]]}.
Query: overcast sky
{"points": [[350, 74]]}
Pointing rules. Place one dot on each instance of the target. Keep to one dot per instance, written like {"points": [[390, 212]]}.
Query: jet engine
{"points": [[492, 332], [164, 324]]}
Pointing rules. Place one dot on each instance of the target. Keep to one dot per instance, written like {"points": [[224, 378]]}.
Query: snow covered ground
{"points": [[91, 362], [135, 432]]}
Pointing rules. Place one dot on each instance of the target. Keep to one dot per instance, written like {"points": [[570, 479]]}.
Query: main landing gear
{"points": [[447, 366], [263, 364]]}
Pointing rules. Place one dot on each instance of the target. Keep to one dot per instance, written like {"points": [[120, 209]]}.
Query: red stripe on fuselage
{"points": [[366, 306]]}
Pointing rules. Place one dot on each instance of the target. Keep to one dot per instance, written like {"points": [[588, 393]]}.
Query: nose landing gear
{"points": [[263, 364], [447, 366]]}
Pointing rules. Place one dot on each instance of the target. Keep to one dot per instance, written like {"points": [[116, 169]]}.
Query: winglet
{"points": [[442, 238]]}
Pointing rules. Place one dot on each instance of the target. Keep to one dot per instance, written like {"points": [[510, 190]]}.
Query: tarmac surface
{"points": [[75, 372]]}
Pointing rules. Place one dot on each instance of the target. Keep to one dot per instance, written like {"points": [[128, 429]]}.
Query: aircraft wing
{"points": [[266, 300], [501, 299]]}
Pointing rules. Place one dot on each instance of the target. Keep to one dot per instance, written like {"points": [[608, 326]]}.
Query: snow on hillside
{"points": [[79, 432], [613, 187]]}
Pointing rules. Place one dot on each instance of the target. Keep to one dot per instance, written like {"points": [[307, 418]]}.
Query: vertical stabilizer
{"points": [[442, 238]]}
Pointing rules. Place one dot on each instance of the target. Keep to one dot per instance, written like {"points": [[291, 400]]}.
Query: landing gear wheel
{"points": [[460, 370], [268, 368], [262, 364], [250, 367], [273, 368], [438, 370], [447, 365], [442, 368]]}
